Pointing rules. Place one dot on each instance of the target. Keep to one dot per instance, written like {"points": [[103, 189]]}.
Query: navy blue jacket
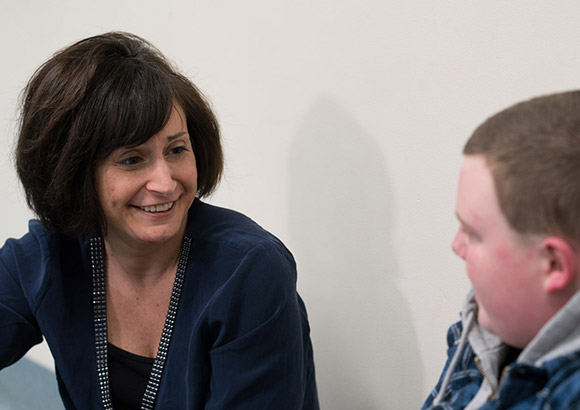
{"points": [[241, 338]]}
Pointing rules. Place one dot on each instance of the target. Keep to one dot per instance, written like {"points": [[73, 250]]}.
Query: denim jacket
{"points": [[545, 375]]}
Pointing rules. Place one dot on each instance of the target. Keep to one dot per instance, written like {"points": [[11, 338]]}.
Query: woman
{"points": [[147, 297]]}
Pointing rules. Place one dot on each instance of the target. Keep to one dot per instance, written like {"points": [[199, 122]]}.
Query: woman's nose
{"points": [[161, 179]]}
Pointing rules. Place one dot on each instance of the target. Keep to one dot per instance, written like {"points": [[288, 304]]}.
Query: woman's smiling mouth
{"points": [[157, 208]]}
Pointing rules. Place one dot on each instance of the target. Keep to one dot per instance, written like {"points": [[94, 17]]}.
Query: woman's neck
{"points": [[144, 263]]}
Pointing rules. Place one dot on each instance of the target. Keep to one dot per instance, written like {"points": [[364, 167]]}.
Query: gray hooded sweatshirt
{"points": [[558, 337]]}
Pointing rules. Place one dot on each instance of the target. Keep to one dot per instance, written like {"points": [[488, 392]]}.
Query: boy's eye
{"points": [[472, 235]]}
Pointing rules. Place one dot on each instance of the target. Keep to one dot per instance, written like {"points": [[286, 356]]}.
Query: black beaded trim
{"points": [[100, 318]]}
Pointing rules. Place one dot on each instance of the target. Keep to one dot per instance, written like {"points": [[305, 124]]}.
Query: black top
{"points": [[128, 376]]}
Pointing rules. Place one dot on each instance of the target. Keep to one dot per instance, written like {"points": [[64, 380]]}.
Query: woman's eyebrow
{"points": [[174, 136]]}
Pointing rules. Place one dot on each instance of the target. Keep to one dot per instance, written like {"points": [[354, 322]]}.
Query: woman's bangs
{"points": [[138, 105]]}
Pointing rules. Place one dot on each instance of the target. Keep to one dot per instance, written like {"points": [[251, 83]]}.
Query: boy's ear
{"points": [[561, 264]]}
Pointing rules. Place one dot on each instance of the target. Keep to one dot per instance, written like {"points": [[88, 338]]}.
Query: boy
{"points": [[517, 345]]}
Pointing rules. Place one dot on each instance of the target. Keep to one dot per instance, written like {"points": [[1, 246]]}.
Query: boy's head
{"points": [[533, 152], [518, 203]]}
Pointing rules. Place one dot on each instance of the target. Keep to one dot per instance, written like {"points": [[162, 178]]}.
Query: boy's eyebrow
{"points": [[465, 224]]}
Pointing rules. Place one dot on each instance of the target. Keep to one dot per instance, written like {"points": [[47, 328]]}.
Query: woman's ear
{"points": [[561, 265]]}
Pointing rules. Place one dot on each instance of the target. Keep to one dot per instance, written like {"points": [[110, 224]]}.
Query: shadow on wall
{"points": [[26, 385], [365, 346]]}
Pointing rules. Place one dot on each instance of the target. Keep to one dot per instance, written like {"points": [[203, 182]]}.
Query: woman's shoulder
{"points": [[34, 242], [32, 259], [39, 249], [210, 223]]}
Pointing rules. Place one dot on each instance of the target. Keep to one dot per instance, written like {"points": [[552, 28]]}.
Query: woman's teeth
{"points": [[157, 208]]}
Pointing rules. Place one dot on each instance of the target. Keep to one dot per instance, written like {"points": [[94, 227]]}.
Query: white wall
{"points": [[343, 122]]}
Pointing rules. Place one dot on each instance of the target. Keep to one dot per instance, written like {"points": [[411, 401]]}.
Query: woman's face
{"points": [[146, 191]]}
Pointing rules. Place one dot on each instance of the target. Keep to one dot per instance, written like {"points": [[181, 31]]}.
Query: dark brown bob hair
{"points": [[102, 93]]}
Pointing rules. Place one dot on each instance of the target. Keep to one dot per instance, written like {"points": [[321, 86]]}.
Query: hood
{"points": [[558, 337], [488, 347]]}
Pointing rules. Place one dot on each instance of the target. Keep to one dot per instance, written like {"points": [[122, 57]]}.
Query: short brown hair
{"points": [[533, 151], [99, 94]]}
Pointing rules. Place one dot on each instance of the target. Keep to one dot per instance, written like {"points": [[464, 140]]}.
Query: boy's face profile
{"points": [[503, 266]]}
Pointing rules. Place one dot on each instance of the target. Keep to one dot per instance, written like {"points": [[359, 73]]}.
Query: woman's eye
{"points": [[130, 161], [178, 150]]}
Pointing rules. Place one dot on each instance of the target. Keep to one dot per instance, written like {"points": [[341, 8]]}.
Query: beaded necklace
{"points": [[100, 319]]}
